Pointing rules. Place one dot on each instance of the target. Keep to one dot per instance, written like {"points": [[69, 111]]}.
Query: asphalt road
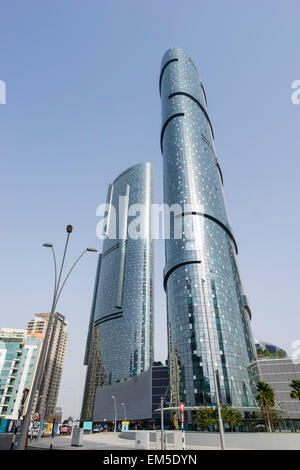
{"points": [[5, 441]]}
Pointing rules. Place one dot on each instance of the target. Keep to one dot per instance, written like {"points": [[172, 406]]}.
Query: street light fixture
{"points": [[115, 426], [123, 404], [22, 438]]}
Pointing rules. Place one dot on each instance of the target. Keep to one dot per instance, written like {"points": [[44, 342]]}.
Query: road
{"points": [[5, 441]]}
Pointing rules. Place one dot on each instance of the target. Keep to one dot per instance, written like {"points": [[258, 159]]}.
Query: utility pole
{"points": [[123, 404], [162, 422], [115, 426]]}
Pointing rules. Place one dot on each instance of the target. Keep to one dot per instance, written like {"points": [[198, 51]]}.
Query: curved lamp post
{"points": [[22, 438]]}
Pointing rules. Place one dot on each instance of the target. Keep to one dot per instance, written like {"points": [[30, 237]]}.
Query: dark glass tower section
{"points": [[123, 313], [201, 268]]}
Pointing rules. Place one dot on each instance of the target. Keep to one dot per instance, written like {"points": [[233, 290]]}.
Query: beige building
{"points": [[46, 398]]}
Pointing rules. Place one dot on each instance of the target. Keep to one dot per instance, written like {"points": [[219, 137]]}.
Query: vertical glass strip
{"points": [[123, 248]]}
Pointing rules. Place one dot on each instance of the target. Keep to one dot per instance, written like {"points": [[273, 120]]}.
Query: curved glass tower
{"points": [[201, 277], [123, 311]]}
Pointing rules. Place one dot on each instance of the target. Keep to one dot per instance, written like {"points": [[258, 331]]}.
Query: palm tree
{"points": [[205, 417], [231, 416], [280, 353], [260, 352], [267, 353], [266, 399], [295, 393]]}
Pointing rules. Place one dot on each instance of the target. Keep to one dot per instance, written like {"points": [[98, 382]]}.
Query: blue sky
{"points": [[83, 105]]}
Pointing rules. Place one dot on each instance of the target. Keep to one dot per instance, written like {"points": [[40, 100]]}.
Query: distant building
{"points": [[19, 352], [140, 396], [279, 373], [57, 415], [271, 348], [54, 361]]}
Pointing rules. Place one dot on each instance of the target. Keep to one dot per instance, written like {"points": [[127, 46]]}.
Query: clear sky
{"points": [[83, 104]]}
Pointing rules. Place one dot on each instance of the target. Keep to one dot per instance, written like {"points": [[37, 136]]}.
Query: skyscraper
{"points": [[46, 400], [201, 275], [120, 337], [94, 374]]}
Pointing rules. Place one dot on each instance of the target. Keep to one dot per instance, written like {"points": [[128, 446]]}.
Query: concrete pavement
{"points": [[99, 441]]}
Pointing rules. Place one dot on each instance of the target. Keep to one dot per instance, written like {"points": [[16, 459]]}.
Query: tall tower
{"points": [[46, 400], [94, 374], [122, 310], [201, 274]]}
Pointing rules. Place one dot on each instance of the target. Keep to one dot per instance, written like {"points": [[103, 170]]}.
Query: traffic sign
{"points": [[36, 416], [182, 411]]}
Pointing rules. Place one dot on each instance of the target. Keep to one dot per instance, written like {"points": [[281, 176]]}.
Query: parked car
{"points": [[65, 430]]}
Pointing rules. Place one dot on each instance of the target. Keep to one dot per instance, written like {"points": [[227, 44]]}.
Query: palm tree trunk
{"points": [[268, 419]]}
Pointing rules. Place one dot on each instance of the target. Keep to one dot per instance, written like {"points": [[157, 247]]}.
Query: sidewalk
{"points": [[99, 441]]}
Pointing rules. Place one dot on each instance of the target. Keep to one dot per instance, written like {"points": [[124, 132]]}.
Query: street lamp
{"points": [[115, 426], [37, 405], [221, 428], [22, 438], [162, 422], [123, 404]]}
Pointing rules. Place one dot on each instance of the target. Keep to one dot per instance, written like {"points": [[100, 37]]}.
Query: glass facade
{"points": [[124, 298], [201, 267]]}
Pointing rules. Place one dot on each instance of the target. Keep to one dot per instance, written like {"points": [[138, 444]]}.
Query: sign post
{"points": [[182, 424], [54, 428], [182, 414], [88, 426]]}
